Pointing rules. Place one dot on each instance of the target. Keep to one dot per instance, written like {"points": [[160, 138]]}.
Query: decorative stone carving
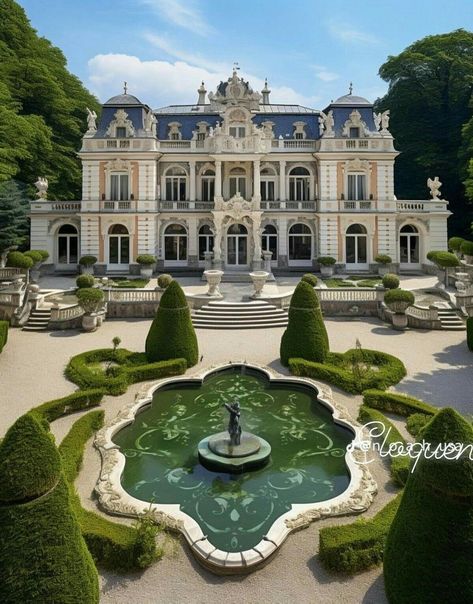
{"points": [[385, 121], [299, 128], [42, 185], [235, 91], [118, 164], [120, 121], [91, 121], [326, 124], [174, 131], [150, 123], [355, 121], [377, 120], [434, 186]]}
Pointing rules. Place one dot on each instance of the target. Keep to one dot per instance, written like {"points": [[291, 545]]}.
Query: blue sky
{"points": [[308, 49]]}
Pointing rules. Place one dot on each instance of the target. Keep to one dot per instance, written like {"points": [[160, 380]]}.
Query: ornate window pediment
{"points": [[299, 130], [174, 133], [355, 121], [120, 120], [235, 91]]}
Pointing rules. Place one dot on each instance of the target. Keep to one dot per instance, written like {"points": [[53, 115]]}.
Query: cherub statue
{"points": [[434, 186], [91, 120], [377, 120], [42, 185], [385, 121]]}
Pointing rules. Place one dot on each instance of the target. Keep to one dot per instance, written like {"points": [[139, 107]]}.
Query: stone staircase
{"points": [[449, 319], [38, 320], [239, 315]]}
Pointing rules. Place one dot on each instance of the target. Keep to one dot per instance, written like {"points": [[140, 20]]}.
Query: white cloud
{"points": [[160, 83], [347, 33], [322, 73], [166, 45], [183, 13]]}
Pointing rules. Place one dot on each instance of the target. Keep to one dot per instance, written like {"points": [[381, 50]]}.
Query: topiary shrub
{"points": [[445, 259], [399, 300], [172, 335], [469, 334], [390, 281], [466, 247], [416, 422], [19, 260], [35, 255], [305, 336], [43, 557], [383, 259], [434, 523], [84, 281], [90, 299], [454, 243], [310, 279], [3, 334], [164, 280], [326, 260], [87, 260], [146, 259], [392, 402]]}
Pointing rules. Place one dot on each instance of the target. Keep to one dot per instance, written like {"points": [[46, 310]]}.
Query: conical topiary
{"points": [[172, 335], [43, 557], [305, 336], [428, 556]]}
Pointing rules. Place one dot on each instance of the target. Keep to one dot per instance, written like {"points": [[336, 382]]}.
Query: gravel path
{"points": [[439, 370]]}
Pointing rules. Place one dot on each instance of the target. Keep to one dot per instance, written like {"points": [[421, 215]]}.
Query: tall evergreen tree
{"points": [[13, 215], [430, 89], [42, 108]]}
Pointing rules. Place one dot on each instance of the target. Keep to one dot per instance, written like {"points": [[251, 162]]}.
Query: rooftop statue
{"points": [[434, 186], [91, 120], [377, 120], [385, 121], [42, 185], [326, 123]]}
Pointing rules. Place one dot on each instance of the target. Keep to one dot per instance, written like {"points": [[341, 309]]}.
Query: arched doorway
{"points": [[175, 245], [237, 246], [118, 247], [300, 245], [67, 246], [356, 247], [299, 184], [269, 242], [409, 247]]}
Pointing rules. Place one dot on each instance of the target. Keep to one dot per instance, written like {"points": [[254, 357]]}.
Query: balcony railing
{"points": [[186, 205], [55, 206], [414, 205], [359, 205], [289, 205], [117, 206]]}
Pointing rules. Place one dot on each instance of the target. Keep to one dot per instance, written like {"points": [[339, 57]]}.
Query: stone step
{"points": [[35, 328], [240, 318], [248, 304], [38, 320], [242, 311], [213, 324]]}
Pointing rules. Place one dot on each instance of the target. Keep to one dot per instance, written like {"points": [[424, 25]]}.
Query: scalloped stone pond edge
{"points": [[115, 500]]}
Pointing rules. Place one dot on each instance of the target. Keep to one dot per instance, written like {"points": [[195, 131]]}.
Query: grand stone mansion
{"points": [[233, 176]]}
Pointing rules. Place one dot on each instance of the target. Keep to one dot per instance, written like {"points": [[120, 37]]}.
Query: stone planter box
{"points": [[327, 271], [399, 321], [146, 271]]}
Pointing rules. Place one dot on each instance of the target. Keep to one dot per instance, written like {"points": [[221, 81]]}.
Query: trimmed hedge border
{"points": [[77, 401], [355, 547], [113, 546], [3, 334], [399, 466], [391, 370], [132, 367], [400, 404], [416, 422]]}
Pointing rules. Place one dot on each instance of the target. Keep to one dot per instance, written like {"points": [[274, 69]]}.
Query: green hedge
{"points": [[469, 334], [337, 370], [354, 547], [132, 367], [416, 422], [77, 401], [114, 546], [400, 404], [399, 466], [3, 334]]}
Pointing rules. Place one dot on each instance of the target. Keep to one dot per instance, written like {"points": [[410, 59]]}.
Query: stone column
{"points": [[192, 251], [282, 180], [192, 180], [256, 180], [217, 231], [218, 178]]}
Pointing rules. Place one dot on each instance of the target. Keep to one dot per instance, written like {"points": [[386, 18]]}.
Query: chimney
{"points": [[265, 92], [202, 92]]}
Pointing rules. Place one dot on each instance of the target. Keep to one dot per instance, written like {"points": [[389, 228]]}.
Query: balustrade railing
{"points": [[132, 295], [7, 273], [348, 294], [421, 312], [66, 313], [359, 205]]}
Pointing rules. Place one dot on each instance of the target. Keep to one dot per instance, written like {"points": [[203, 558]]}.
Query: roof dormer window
{"points": [[299, 130], [174, 131], [120, 132], [354, 132]]}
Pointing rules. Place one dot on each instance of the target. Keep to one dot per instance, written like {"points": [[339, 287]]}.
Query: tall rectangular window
{"points": [[356, 186], [119, 187]]}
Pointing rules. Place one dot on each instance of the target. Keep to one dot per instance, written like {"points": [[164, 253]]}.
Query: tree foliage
{"points": [[430, 88], [13, 212], [42, 108]]}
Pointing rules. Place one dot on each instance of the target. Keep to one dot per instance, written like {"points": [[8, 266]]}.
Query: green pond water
{"points": [[235, 511]]}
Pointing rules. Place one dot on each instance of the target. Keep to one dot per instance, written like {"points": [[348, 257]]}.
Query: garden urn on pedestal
{"points": [[259, 279], [214, 278]]}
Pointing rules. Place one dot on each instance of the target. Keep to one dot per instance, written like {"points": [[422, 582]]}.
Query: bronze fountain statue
{"points": [[234, 426]]}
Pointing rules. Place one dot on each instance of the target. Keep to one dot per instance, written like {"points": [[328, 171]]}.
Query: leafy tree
{"points": [[305, 336], [172, 335], [429, 555], [42, 108], [13, 215], [430, 86]]}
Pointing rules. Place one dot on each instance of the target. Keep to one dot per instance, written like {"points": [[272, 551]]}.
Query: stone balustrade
{"points": [[350, 294], [66, 313], [7, 273], [420, 312]]}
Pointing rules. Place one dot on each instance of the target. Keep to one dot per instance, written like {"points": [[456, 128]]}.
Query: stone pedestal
{"points": [[89, 322], [216, 452], [399, 321], [217, 264], [256, 265]]}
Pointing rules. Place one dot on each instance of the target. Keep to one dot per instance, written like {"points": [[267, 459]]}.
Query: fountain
{"points": [[235, 451]]}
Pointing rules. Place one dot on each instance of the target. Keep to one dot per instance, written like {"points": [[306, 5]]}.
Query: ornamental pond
{"points": [[234, 511]]}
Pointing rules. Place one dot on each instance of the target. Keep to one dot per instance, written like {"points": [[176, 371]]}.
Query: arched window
{"points": [[175, 243], [409, 245], [237, 245], [300, 244], [208, 185], [269, 241], [67, 244], [356, 245], [176, 184], [299, 184], [238, 182], [268, 184], [118, 245], [206, 241]]}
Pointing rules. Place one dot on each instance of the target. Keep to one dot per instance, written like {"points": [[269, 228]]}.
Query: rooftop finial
{"points": [[236, 67], [350, 88], [265, 92], [125, 88], [201, 92]]}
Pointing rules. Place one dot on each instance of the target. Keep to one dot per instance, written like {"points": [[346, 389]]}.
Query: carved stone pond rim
{"points": [[114, 499]]}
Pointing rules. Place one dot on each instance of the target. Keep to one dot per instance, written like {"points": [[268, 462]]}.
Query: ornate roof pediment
{"points": [[235, 91]]}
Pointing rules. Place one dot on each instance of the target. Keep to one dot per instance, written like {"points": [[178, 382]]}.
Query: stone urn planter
{"points": [[89, 322], [259, 279], [327, 271], [146, 271], [35, 273], [399, 321], [383, 269], [462, 280], [213, 277]]}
